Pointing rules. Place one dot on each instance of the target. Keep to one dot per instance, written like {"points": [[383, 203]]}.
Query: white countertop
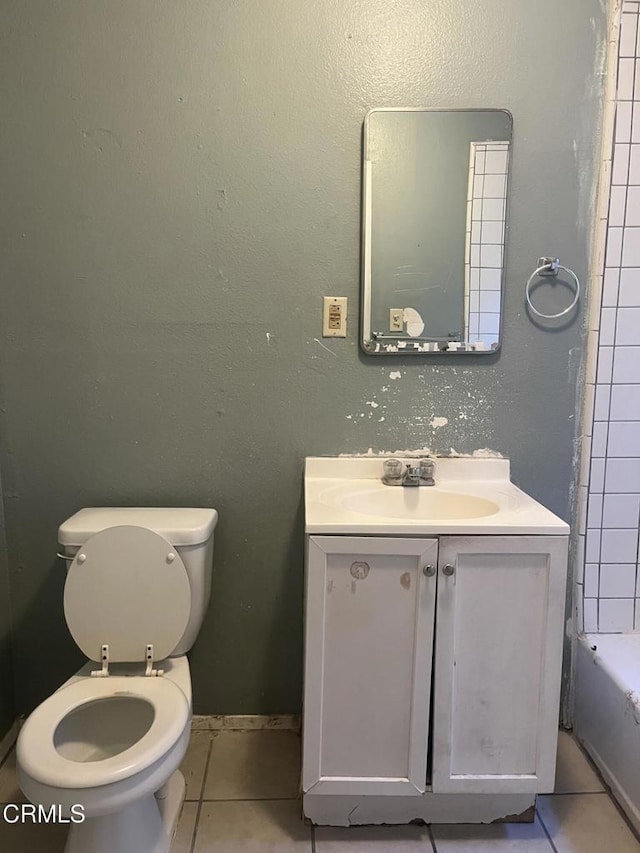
{"points": [[330, 481]]}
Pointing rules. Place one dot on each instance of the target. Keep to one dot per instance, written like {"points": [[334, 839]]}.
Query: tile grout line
{"points": [[546, 831], [606, 788], [200, 801], [594, 768], [574, 793], [622, 814]]}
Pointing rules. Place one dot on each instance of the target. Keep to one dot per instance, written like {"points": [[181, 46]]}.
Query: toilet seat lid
{"points": [[127, 587]]}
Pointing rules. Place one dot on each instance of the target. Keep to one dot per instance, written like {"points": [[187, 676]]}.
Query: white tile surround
{"points": [[608, 576]]}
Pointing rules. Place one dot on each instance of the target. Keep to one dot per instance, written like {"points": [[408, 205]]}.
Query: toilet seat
{"points": [[126, 589], [38, 756]]}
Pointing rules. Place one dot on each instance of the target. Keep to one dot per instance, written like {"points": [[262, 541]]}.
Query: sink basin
{"points": [[418, 503], [344, 495]]}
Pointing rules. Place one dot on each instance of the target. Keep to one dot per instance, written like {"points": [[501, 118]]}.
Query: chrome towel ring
{"points": [[550, 267]]}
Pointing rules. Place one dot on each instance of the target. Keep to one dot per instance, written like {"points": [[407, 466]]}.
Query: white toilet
{"points": [[112, 737]]}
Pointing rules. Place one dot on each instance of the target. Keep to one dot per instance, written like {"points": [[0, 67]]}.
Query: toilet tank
{"points": [[189, 530]]}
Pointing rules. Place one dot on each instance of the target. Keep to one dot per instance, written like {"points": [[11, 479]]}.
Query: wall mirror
{"points": [[434, 228]]}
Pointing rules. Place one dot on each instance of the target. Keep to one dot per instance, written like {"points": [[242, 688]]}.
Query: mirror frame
{"points": [[402, 345]]}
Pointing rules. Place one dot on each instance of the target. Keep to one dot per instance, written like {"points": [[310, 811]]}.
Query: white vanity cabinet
{"points": [[498, 660], [369, 650], [478, 617]]}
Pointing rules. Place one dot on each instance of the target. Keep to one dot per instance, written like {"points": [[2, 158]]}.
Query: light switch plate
{"points": [[334, 317]]}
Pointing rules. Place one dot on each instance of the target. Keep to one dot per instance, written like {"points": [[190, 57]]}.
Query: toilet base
{"points": [[146, 826], [171, 804]]}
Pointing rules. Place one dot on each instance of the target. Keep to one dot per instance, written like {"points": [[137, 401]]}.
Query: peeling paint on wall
{"points": [[438, 422], [480, 453]]}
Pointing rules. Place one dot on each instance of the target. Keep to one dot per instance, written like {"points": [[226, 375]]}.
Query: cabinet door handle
{"points": [[429, 571], [448, 570]]}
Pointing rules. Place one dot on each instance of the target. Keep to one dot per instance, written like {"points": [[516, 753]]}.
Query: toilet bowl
{"points": [[111, 739], [101, 741]]}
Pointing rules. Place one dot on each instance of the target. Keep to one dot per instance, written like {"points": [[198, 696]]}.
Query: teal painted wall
{"points": [[7, 693], [182, 187]]}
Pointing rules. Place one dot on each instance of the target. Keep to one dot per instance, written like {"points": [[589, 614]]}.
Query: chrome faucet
{"points": [[413, 475]]}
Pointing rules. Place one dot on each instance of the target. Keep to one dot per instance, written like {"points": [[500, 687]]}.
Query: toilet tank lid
{"points": [[180, 525]]}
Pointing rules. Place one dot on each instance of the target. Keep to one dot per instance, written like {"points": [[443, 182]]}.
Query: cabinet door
{"points": [[500, 618], [369, 644]]}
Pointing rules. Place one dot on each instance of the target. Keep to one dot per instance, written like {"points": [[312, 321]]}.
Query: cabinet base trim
{"points": [[345, 810]]}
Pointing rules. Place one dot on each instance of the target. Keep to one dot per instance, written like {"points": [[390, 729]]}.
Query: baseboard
{"points": [[216, 722], [247, 722], [611, 780]]}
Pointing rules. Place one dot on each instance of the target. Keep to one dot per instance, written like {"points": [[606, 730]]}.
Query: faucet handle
{"points": [[428, 467], [392, 470]]}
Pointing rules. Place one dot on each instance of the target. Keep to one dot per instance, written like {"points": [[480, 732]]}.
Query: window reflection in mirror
{"points": [[434, 227]]}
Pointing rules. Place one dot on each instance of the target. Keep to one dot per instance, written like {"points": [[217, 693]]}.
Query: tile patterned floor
{"points": [[242, 797]]}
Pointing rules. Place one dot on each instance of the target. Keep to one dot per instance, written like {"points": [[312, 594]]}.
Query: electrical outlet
{"points": [[334, 317], [396, 319]]}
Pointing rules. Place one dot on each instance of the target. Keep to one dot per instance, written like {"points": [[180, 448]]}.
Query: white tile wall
{"points": [[590, 615], [621, 476], [591, 580], [617, 581], [597, 475], [619, 511], [605, 364], [630, 283], [623, 122], [626, 368], [594, 514], [610, 574], [619, 546], [602, 402], [626, 70], [610, 289], [615, 615]]}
